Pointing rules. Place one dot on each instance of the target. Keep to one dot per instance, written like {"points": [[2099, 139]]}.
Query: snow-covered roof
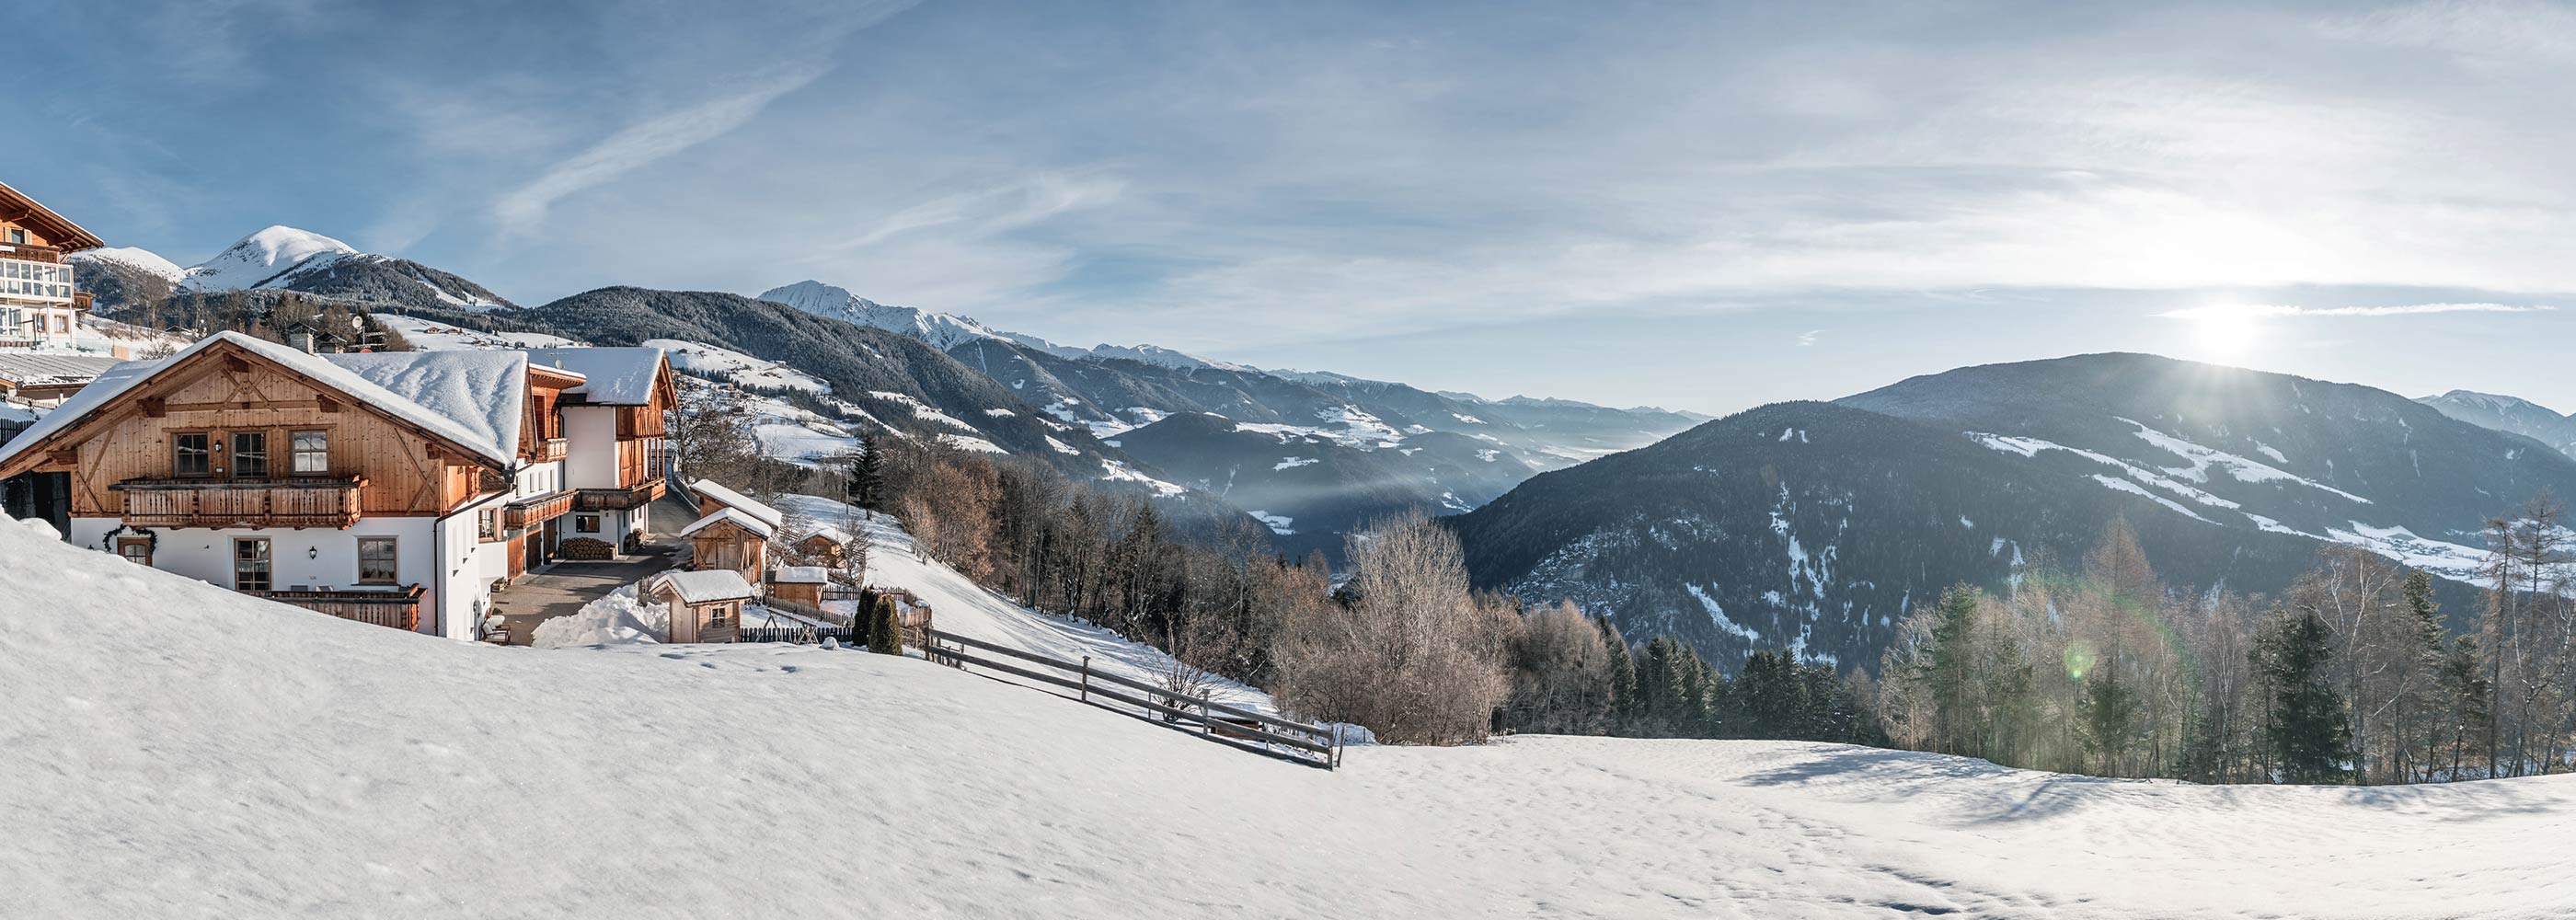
{"points": [[838, 536], [617, 376], [700, 587], [478, 436], [710, 488], [482, 390], [43, 369], [802, 575], [744, 521]]}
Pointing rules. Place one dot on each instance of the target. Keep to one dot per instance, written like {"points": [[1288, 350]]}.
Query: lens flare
{"points": [[2079, 658]]}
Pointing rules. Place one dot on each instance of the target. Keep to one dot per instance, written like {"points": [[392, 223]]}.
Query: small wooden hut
{"points": [[706, 606], [825, 546], [730, 539], [800, 584]]}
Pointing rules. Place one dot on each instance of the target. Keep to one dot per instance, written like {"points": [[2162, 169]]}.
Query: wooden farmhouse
{"points": [[706, 606], [38, 307], [391, 488]]}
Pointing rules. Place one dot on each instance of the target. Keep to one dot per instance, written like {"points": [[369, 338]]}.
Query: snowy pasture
{"points": [[178, 750]]}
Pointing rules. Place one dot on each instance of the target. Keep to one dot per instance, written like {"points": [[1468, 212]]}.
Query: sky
{"points": [[1698, 206]]}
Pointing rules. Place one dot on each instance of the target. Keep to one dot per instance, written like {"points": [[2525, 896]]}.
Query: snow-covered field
{"points": [[177, 750]]}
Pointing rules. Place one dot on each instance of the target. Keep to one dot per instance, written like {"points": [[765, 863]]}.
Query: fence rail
{"points": [[1233, 726]]}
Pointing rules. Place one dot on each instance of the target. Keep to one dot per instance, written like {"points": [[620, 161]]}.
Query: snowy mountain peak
{"points": [[1162, 357], [265, 257], [137, 259]]}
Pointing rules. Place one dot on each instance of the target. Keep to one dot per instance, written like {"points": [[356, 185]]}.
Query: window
{"points": [[137, 550], [312, 452], [17, 236], [250, 565], [376, 560], [487, 524], [250, 454], [189, 455], [63, 324], [585, 523], [720, 616]]}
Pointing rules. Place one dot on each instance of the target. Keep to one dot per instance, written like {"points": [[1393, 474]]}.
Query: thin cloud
{"points": [[642, 143], [1807, 339], [2239, 311]]}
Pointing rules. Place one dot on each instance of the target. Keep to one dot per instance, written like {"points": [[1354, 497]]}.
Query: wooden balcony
{"points": [[552, 449], [535, 511], [23, 251], [617, 499], [216, 503], [395, 607]]}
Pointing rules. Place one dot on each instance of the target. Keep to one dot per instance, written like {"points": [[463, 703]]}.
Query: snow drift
{"points": [[174, 749]]}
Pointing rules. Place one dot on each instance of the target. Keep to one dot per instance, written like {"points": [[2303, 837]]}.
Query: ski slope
{"points": [[176, 750]]}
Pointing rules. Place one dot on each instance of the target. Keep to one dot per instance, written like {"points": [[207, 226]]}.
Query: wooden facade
{"points": [[174, 450], [725, 544]]}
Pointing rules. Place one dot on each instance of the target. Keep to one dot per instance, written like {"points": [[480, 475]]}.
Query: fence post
{"points": [[1086, 678]]}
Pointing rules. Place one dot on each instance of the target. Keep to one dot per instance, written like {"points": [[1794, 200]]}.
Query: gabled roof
{"points": [[484, 391], [837, 536], [709, 488], [67, 236], [474, 438], [757, 526], [616, 376], [699, 587]]}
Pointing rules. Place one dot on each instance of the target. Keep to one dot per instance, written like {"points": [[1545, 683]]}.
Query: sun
{"points": [[2227, 332]]}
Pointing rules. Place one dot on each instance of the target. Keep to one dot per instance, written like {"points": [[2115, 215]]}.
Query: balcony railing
{"points": [[637, 496], [31, 253], [395, 607], [294, 503], [553, 449], [536, 511]]}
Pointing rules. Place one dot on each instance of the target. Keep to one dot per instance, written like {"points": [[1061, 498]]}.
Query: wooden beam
{"points": [[155, 407]]}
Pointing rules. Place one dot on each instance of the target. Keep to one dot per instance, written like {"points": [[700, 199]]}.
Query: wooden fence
{"points": [[1233, 726]]}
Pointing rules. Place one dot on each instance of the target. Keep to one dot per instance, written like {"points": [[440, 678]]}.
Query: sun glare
{"points": [[2226, 332]]}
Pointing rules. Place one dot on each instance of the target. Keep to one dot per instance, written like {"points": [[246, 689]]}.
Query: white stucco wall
{"points": [[591, 457], [472, 566], [315, 558], [539, 479]]}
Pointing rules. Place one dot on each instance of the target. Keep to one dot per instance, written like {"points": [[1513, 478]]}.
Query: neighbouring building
{"points": [[799, 584], [614, 423], [735, 532], [392, 488], [38, 307]]}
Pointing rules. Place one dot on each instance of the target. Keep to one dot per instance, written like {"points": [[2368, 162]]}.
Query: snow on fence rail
{"points": [[1233, 726]]}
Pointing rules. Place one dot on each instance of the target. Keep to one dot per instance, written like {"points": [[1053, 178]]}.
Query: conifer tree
{"points": [[2306, 731], [1952, 672], [2107, 711], [867, 473], [885, 628]]}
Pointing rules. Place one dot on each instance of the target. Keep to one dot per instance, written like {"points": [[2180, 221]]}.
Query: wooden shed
{"points": [[800, 584], [706, 606], [825, 546], [730, 539]]}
